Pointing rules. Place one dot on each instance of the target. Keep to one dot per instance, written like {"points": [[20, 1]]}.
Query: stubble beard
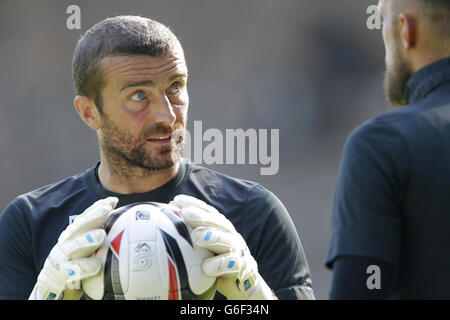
{"points": [[139, 161], [396, 78]]}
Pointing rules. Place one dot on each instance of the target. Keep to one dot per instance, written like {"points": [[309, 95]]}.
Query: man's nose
{"points": [[163, 112]]}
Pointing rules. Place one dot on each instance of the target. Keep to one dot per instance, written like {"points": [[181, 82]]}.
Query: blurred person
{"points": [[131, 78], [391, 213]]}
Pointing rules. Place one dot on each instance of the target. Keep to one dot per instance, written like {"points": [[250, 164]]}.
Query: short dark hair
{"points": [[437, 13], [116, 35]]}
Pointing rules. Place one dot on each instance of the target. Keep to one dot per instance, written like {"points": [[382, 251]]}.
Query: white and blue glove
{"points": [[70, 260], [235, 267]]}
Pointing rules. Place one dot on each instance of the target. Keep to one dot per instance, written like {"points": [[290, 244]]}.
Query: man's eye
{"points": [[138, 96], [176, 88]]}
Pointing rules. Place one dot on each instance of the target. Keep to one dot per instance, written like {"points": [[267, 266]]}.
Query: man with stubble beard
{"points": [[131, 80], [391, 214]]}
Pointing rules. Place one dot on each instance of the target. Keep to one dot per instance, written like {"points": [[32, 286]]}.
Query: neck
{"points": [[128, 180], [427, 56]]}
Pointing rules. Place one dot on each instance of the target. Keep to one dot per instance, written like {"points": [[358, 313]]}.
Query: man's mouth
{"points": [[160, 140]]}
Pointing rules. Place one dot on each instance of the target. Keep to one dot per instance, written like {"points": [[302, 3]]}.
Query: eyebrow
{"points": [[142, 83], [150, 83]]}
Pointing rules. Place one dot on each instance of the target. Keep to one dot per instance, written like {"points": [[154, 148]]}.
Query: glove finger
{"points": [[237, 277], [183, 200], [96, 213], [83, 245], [174, 204], [222, 265], [198, 217], [198, 213], [213, 239], [93, 217], [80, 269]]}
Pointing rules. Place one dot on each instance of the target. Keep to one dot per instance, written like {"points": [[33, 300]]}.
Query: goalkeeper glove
{"points": [[235, 267], [69, 262]]}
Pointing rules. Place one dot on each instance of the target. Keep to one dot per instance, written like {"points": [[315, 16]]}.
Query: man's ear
{"points": [[408, 31], [87, 111]]}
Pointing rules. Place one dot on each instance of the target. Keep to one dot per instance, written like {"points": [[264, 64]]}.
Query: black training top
{"points": [[32, 223], [392, 199]]}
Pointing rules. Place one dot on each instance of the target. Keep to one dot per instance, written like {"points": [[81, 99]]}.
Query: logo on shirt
{"points": [[71, 218]]}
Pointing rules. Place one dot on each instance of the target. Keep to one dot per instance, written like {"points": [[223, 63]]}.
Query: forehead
{"points": [[122, 68]]}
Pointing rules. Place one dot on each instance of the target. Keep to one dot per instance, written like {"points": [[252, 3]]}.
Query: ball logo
{"points": [[143, 259], [142, 215]]}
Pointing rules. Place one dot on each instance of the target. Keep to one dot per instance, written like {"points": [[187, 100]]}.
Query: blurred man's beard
{"points": [[395, 79], [115, 145]]}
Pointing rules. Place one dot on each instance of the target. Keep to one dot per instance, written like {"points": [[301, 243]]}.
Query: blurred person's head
{"points": [[416, 33], [130, 76]]}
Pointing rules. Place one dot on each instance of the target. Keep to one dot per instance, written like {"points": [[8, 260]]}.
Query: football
{"points": [[148, 255]]}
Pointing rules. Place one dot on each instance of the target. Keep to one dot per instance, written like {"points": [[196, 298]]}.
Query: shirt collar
{"points": [[427, 79], [160, 194]]}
